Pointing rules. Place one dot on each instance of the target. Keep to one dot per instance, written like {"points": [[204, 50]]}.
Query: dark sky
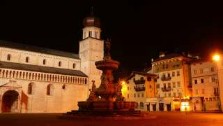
{"points": [[139, 29]]}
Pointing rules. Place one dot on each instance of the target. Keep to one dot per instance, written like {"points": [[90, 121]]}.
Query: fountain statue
{"points": [[107, 98]]}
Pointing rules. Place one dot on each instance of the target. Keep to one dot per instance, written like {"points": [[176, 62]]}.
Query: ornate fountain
{"points": [[107, 98]]}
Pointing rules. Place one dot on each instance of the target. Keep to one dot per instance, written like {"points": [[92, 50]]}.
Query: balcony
{"points": [[166, 89], [216, 94], [164, 78], [140, 81], [137, 88], [189, 86]]}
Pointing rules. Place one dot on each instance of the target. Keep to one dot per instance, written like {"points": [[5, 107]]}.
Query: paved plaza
{"points": [[150, 119]]}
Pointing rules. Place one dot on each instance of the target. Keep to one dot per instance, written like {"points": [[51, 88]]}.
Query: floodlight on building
{"points": [[185, 106], [124, 88], [217, 58]]}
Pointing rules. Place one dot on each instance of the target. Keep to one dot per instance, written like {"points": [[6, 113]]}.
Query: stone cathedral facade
{"points": [[39, 80]]}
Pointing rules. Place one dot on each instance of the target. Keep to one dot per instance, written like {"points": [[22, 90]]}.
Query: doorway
{"points": [[148, 107], [168, 106], [10, 101], [161, 106], [154, 107]]}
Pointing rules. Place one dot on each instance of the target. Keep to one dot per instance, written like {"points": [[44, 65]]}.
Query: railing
{"points": [[189, 86], [216, 94], [137, 88], [165, 89], [140, 81], [164, 78]]}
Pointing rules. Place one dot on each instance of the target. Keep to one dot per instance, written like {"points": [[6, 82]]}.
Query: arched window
{"points": [[27, 59], [3, 73], [30, 88], [59, 64], [41, 76], [13, 74], [49, 89], [10, 74], [44, 61], [9, 57], [38, 76], [44, 77], [30, 75], [20, 74], [33, 76], [74, 65]]}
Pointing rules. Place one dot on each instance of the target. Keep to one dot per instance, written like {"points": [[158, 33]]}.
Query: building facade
{"points": [[140, 88], [217, 58], [173, 83], [205, 86], [34, 79]]}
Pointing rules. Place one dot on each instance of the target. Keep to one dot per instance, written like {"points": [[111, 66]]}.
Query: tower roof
{"points": [[91, 20]]}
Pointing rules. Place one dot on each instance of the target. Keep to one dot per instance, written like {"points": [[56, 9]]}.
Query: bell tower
{"points": [[91, 49]]}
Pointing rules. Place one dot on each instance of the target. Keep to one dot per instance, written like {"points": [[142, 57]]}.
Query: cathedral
{"points": [[40, 80]]}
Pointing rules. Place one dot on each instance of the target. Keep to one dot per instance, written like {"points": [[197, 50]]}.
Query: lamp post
{"points": [[218, 60]]}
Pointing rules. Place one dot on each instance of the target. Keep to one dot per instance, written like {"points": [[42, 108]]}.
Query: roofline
{"points": [[32, 48], [141, 73]]}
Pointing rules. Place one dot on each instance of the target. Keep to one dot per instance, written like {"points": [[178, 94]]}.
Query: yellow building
{"points": [[205, 86], [140, 87], [219, 65], [173, 83]]}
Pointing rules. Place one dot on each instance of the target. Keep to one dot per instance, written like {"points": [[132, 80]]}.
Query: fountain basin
{"points": [[107, 65], [125, 105]]}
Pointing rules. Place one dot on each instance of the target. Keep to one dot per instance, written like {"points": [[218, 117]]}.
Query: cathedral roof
{"points": [[20, 46], [28, 67]]}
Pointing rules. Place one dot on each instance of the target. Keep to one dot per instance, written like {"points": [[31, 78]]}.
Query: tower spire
{"points": [[92, 8], [92, 11]]}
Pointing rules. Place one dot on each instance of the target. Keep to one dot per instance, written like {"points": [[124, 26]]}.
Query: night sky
{"points": [[138, 29]]}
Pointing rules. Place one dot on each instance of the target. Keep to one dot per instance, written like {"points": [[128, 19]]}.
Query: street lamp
{"points": [[217, 58]]}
